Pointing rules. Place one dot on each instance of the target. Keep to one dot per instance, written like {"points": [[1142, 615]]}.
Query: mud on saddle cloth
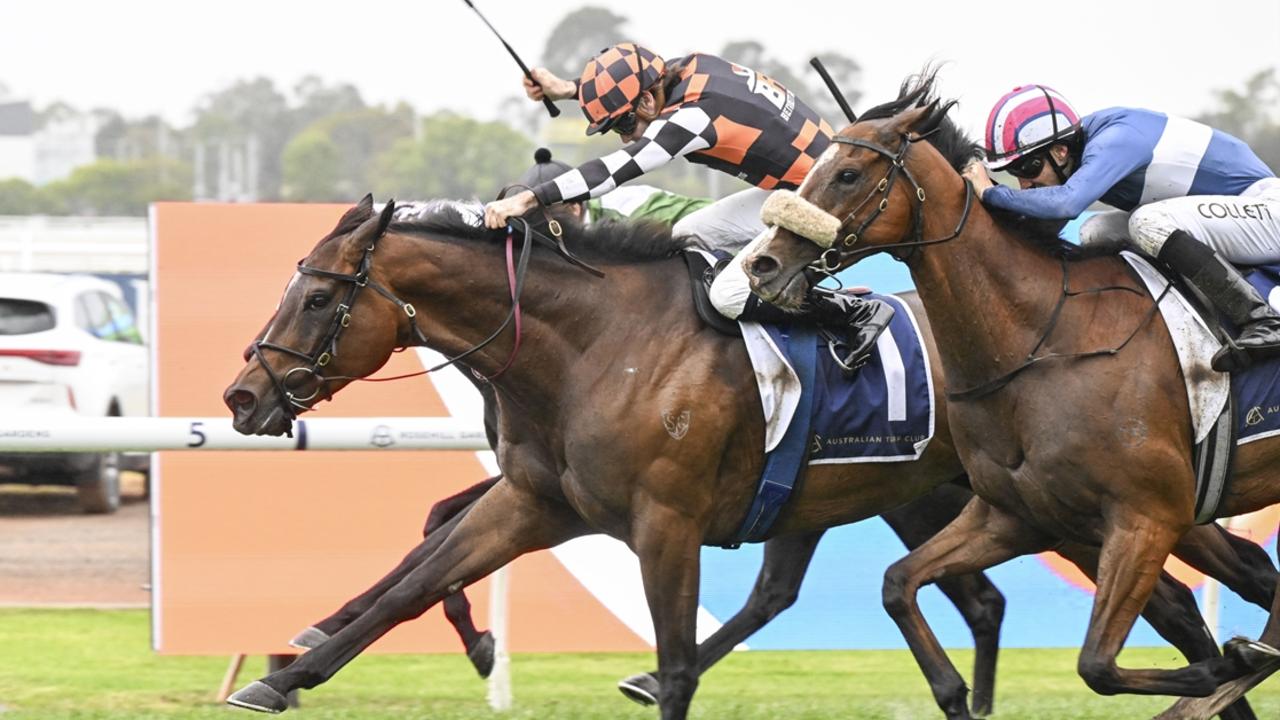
{"points": [[1225, 411]]}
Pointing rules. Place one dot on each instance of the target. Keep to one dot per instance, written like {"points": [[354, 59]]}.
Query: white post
{"points": [[500, 678], [1210, 601]]}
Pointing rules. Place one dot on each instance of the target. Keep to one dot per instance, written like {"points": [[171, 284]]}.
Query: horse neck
{"points": [[461, 291], [985, 290]]}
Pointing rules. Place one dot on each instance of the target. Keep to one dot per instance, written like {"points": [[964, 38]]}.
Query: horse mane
{"points": [[607, 240], [959, 150]]}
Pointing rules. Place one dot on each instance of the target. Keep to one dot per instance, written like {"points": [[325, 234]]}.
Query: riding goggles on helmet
{"points": [[1027, 167]]}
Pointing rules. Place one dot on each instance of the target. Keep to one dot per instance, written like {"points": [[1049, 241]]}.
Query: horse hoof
{"points": [[481, 654], [642, 689], [309, 639], [1250, 654], [259, 696]]}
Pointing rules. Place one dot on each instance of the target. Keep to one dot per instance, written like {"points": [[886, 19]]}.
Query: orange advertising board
{"points": [[251, 547]]}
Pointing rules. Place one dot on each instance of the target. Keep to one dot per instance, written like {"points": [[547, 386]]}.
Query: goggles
{"points": [[1027, 167]]}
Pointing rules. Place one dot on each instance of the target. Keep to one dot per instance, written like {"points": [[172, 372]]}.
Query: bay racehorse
{"points": [[785, 562], [1061, 441], [582, 386]]}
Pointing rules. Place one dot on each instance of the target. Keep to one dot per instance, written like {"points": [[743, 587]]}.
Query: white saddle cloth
{"points": [[1195, 345]]}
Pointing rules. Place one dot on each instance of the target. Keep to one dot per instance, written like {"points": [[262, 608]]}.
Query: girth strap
{"points": [[785, 463]]}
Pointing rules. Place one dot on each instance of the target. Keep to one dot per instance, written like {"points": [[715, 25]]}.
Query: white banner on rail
{"points": [[150, 434]]}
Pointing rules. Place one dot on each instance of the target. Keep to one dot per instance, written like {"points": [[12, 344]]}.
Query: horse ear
{"points": [[912, 120], [357, 214], [369, 231]]}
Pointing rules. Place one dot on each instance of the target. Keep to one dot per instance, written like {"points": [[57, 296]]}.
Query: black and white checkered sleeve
{"points": [[687, 130]]}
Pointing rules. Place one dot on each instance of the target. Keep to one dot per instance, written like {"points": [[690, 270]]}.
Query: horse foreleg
{"points": [[503, 525], [978, 600], [440, 520], [1133, 553], [981, 536], [320, 632], [1172, 612], [786, 559], [668, 544]]}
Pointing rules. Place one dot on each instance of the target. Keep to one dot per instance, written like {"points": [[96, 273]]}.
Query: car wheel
{"points": [[98, 487]]}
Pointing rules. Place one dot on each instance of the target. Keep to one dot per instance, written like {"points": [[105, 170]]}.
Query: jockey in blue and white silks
{"points": [[1188, 195]]}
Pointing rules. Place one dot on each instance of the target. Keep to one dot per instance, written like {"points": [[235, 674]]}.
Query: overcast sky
{"points": [[161, 56]]}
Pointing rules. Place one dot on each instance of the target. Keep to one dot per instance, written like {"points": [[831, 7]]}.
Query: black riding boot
{"points": [[857, 320], [1231, 295]]}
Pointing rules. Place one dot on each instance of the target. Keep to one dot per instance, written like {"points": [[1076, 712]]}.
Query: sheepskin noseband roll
{"points": [[788, 210]]}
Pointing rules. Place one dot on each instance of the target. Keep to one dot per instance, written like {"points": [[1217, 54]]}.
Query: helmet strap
{"points": [[1058, 169]]}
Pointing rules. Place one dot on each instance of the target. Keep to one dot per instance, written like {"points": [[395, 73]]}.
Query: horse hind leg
{"points": [[1228, 692], [1240, 565], [981, 604], [503, 525]]}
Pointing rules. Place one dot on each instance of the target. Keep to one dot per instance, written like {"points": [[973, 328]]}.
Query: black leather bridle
{"points": [[327, 348], [843, 251]]}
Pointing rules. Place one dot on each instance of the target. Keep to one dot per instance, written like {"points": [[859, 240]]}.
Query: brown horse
{"points": [[786, 560], [582, 443], [1073, 444]]}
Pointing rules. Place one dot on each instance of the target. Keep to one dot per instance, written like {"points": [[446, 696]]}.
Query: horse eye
{"points": [[848, 177], [315, 301]]}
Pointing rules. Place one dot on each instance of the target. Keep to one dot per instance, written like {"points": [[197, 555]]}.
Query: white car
{"points": [[69, 345]]}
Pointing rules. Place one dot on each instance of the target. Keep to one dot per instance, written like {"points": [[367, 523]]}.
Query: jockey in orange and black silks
{"points": [[712, 112]]}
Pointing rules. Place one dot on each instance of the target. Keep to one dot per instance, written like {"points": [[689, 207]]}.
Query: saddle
{"points": [[701, 275]]}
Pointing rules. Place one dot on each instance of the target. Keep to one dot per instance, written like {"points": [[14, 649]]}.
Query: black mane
{"points": [[959, 150], [608, 240]]}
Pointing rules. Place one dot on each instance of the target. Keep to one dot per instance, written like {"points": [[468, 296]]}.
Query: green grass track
{"points": [[89, 664]]}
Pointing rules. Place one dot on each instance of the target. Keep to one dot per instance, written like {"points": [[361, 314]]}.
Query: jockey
{"points": [[640, 202], [711, 112], [1189, 195]]}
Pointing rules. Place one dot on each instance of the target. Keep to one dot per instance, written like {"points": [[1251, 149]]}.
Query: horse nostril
{"points": [[240, 401], [764, 266]]}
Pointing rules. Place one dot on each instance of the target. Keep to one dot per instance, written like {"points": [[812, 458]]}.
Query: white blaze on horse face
{"points": [[280, 303], [827, 156]]}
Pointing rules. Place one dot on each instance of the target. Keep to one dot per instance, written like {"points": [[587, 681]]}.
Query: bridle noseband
{"points": [[838, 255]]}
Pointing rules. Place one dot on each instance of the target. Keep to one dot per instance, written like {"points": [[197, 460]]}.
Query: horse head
{"points": [[866, 194], [327, 330]]}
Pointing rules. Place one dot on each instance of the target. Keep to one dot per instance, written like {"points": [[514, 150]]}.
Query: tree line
{"points": [[321, 142]]}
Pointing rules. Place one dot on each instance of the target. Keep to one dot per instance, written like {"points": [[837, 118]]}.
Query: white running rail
{"points": [[149, 434]]}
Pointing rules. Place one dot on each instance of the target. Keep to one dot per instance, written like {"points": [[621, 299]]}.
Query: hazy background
{"points": [[138, 100]]}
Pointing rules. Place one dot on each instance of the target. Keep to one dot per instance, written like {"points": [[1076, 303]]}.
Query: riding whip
{"points": [[831, 85], [551, 107]]}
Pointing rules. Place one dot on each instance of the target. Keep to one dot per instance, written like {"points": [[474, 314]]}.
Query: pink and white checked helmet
{"points": [[1026, 119]]}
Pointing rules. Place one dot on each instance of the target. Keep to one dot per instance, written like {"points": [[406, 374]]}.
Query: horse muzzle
{"points": [[252, 417]]}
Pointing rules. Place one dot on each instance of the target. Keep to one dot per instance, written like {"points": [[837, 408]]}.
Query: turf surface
{"points": [[87, 664]]}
